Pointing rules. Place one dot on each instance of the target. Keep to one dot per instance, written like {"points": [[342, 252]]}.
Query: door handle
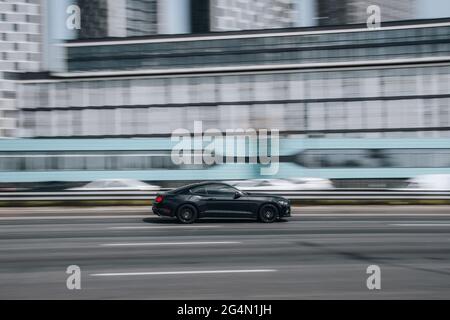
{"points": [[211, 199]]}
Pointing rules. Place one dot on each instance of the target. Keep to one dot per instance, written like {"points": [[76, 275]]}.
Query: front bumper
{"points": [[285, 208], [285, 211]]}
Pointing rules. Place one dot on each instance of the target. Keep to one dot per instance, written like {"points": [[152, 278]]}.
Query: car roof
{"points": [[108, 179], [199, 184]]}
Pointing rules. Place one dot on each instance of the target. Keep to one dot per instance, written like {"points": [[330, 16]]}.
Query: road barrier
{"points": [[339, 194]]}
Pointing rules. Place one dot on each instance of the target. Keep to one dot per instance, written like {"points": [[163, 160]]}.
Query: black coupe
{"points": [[219, 200]]}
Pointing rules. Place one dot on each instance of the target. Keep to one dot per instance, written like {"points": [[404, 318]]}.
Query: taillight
{"points": [[159, 199]]}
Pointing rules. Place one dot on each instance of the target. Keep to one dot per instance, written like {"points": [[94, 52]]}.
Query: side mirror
{"points": [[237, 195]]}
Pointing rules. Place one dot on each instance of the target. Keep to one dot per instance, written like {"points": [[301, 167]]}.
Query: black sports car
{"points": [[195, 201]]}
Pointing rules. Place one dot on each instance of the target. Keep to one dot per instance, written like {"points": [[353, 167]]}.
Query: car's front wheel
{"points": [[268, 213], [187, 214]]}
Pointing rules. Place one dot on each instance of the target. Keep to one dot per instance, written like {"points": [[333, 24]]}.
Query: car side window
{"points": [[220, 190], [199, 190]]}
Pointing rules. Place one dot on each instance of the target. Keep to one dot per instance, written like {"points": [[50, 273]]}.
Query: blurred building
{"points": [[200, 16], [228, 15], [126, 18], [21, 50], [94, 19], [338, 12], [309, 82], [320, 82], [142, 17], [117, 18]]}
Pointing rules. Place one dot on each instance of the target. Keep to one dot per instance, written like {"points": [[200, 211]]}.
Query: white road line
{"points": [[294, 215], [163, 227], [72, 217], [387, 215], [421, 224], [140, 244], [180, 272]]}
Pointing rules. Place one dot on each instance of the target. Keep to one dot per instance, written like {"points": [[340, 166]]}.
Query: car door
{"points": [[221, 202], [200, 197]]}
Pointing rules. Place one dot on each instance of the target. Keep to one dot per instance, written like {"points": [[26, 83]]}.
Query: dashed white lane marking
{"points": [[293, 215], [163, 227], [143, 244], [72, 217], [421, 224], [386, 215], [180, 272]]}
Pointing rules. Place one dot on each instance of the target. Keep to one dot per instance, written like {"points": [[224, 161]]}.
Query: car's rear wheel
{"points": [[187, 214], [268, 213]]}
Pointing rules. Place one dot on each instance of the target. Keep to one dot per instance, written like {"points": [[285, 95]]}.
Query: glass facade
{"points": [[252, 14], [90, 161], [141, 17], [306, 48], [374, 158], [338, 12], [405, 97], [408, 101], [94, 18]]}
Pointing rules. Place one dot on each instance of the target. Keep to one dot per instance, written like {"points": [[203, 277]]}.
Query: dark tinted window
{"points": [[199, 190], [220, 189]]}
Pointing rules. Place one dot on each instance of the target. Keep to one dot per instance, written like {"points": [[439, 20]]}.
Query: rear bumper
{"points": [[165, 212]]}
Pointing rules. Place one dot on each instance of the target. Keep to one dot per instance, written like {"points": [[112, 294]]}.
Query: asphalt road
{"points": [[320, 255]]}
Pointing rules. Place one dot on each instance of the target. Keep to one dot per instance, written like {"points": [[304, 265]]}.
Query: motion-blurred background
{"points": [[355, 107]]}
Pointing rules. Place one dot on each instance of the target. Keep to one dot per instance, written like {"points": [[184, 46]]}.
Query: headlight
{"points": [[283, 203]]}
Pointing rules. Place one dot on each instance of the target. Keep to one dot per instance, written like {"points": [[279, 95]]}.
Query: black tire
{"points": [[268, 213], [187, 214]]}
